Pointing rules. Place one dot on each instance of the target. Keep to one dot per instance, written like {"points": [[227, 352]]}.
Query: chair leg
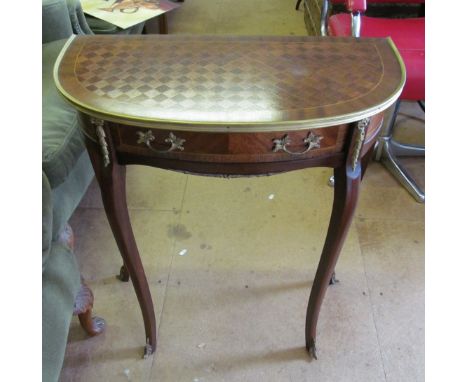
{"points": [[405, 150], [388, 150], [392, 164], [83, 305], [387, 131], [84, 308]]}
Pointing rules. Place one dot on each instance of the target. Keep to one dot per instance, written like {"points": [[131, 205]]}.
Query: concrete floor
{"points": [[233, 307]]}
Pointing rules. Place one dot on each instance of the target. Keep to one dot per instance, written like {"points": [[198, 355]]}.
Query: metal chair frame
{"points": [[388, 149]]}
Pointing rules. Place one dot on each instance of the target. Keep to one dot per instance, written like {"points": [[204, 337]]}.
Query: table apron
{"points": [[228, 154]]}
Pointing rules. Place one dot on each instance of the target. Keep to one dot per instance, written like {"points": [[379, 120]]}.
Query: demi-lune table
{"points": [[229, 106]]}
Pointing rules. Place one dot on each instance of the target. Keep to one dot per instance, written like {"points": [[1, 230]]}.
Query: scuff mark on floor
{"points": [[178, 231]]}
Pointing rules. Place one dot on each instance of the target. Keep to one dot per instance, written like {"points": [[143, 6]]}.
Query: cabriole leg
{"points": [[346, 190], [111, 178]]}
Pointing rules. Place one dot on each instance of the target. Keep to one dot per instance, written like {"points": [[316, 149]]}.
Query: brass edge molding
{"points": [[362, 129], [101, 135], [204, 126], [401, 62], [58, 61], [210, 127]]}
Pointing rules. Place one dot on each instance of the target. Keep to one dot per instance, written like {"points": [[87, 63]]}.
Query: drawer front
{"points": [[228, 147]]}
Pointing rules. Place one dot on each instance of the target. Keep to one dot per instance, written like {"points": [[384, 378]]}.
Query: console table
{"points": [[229, 106]]}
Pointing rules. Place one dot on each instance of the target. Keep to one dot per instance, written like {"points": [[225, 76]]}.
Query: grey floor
{"points": [[232, 308]]}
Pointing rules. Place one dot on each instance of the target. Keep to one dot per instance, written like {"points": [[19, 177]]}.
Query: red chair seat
{"points": [[408, 36]]}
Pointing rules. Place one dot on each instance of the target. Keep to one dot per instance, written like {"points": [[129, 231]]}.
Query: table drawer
{"points": [[229, 147]]}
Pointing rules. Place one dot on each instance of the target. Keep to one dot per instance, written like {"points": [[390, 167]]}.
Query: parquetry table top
{"points": [[246, 83]]}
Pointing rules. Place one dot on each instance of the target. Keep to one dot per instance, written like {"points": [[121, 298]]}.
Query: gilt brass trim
{"points": [[311, 141], [101, 135], [358, 143], [147, 137], [148, 349]]}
